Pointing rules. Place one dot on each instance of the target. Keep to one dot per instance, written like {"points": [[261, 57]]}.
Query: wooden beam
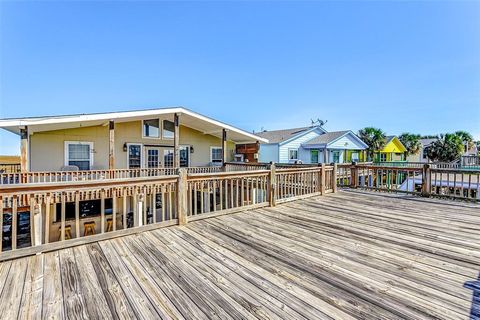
{"points": [[24, 154], [224, 146], [111, 144], [176, 141]]}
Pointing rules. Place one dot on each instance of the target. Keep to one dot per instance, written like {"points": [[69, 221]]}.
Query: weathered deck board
{"points": [[348, 255]]}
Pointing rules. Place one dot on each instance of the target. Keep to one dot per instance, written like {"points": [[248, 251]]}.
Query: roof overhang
{"points": [[188, 118]]}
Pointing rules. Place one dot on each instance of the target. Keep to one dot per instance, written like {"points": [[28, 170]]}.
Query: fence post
{"points": [[334, 176], [353, 176], [426, 181], [182, 199], [323, 179], [272, 184]]}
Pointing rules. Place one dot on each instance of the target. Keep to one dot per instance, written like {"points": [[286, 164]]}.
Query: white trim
{"points": [[211, 149], [159, 129], [66, 159], [9, 123], [142, 165]]}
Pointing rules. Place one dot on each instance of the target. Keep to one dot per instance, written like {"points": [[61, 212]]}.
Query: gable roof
{"points": [[328, 137], [279, 136], [188, 118], [393, 144], [331, 137]]}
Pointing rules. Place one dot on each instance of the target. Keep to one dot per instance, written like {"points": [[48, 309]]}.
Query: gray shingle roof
{"points": [[326, 137], [277, 136]]}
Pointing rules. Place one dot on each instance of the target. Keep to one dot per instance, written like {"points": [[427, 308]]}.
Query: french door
{"points": [[153, 157]]}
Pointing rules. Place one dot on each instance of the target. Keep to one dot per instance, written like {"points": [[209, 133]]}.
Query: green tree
{"points": [[447, 148], [411, 142], [374, 138]]}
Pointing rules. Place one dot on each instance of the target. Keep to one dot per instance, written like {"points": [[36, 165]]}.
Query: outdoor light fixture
{"points": [[125, 147], [191, 149]]}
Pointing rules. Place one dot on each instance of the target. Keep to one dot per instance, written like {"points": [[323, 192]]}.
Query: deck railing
{"points": [[84, 175], [10, 167], [425, 180], [46, 216]]}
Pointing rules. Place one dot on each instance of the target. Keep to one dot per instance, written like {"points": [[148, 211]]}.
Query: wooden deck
{"points": [[347, 255]]}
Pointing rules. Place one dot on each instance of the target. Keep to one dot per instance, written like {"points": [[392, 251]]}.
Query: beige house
{"points": [[168, 137]]}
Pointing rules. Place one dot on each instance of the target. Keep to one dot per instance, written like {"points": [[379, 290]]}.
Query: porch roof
{"points": [[188, 118]]}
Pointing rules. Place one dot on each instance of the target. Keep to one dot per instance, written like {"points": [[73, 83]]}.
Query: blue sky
{"points": [[400, 66]]}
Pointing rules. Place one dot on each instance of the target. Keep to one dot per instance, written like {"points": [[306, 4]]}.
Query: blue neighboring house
{"points": [[311, 145]]}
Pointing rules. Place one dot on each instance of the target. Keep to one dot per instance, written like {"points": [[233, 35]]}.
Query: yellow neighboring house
{"points": [[394, 150]]}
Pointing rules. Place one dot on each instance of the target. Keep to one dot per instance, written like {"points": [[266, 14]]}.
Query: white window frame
{"points": [[160, 129], [211, 159], [142, 165], [167, 138], [292, 149], [67, 143]]}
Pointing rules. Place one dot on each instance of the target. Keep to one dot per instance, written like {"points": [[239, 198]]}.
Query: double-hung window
{"points": [[79, 154], [151, 128], [292, 154], [216, 154]]}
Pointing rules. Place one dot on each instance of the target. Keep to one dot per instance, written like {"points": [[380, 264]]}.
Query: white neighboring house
{"points": [[311, 145]]}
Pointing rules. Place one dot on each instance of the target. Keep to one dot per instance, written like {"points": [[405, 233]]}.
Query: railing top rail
{"points": [[77, 185], [219, 175]]}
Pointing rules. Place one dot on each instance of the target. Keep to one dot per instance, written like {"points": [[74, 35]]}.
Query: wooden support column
{"points": [[111, 144], [354, 175], [224, 146], [272, 185], [182, 198], [176, 141], [426, 181], [334, 177], [325, 155], [37, 223], [24, 148], [323, 179]]}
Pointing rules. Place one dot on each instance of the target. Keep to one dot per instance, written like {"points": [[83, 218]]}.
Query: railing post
{"points": [[182, 199], [36, 236], [426, 181], [323, 179], [353, 175], [272, 184], [334, 177]]}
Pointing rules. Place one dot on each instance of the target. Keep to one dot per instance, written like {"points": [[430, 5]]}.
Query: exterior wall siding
{"points": [[268, 152], [295, 144], [47, 149]]}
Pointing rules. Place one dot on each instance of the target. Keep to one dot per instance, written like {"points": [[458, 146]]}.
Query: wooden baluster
{"points": [[154, 203], [163, 203], [62, 218], [14, 222], [242, 202], [124, 208], [170, 203], [220, 182], [231, 193], [1, 223], [114, 209]]}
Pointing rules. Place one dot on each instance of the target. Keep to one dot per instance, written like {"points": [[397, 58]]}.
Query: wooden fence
{"points": [[41, 217]]}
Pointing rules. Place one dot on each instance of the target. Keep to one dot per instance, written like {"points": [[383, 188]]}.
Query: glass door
{"points": [[152, 159], [313, 156], [134, 156]]}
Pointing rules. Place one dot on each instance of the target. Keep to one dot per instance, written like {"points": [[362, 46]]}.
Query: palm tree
{"points": [[447, 148], [411, 142], [466, 138], [375, 139]]}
